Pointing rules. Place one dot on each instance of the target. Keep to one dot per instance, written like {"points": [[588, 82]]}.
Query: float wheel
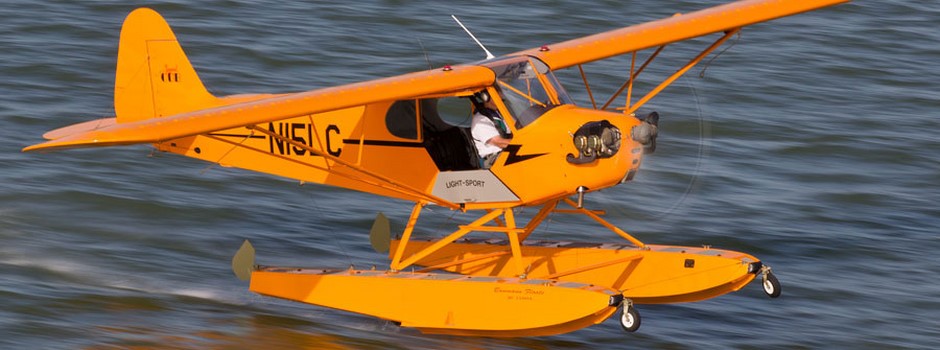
{"points": [[771, 285], [629, 318]]}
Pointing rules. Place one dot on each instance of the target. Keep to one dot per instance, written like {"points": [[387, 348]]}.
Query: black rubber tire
{"points": [[771, 285], [630, 321]]}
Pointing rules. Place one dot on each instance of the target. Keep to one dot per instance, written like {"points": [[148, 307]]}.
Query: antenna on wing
{"points": [[426, 58], [488, 54]]}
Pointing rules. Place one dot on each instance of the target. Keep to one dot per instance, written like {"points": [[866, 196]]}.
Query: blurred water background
{"points": [[811, 143]]}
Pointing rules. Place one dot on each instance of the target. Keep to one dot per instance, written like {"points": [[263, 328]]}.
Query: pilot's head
{"points": [[482, 97]]}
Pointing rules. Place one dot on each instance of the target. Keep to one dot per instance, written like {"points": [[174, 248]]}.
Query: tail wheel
{"points": [[771, 285], [629, 318]]}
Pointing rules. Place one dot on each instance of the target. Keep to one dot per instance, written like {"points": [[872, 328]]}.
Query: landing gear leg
{"points": [[629, 317], [770, 283]]}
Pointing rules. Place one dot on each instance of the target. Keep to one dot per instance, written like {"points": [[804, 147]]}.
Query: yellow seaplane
{"points": [[519, 141]]}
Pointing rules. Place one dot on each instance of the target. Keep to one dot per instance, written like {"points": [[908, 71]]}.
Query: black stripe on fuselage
{"points": [[383, 143]]}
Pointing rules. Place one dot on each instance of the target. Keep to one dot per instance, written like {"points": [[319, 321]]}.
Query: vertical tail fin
{"points": [[154, 78]]}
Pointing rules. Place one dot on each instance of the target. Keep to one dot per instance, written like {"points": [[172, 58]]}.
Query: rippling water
{"points": [[811, 143]]}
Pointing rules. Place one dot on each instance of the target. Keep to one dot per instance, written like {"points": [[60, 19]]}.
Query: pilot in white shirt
{"points": [[486, 137]]}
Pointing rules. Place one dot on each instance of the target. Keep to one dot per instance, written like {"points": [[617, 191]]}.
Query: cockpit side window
{"points": [[443, 127], [563, 96]]}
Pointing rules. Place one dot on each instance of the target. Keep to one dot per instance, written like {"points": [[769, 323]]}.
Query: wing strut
{"points": [[681, 71], [397, 186], [587, 86], [627, 83], [325, 169], [633, 76]]}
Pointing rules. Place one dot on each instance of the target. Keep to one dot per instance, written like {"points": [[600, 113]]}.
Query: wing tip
{"points": [[56, 145], [78, 142], [84, 140], [38, 147]]}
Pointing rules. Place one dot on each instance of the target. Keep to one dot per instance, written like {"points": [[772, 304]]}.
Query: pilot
{"points": [[490, 135]]}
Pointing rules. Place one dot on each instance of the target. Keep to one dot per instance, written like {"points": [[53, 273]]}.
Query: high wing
{"points": [[278, 108], [677, 28]]}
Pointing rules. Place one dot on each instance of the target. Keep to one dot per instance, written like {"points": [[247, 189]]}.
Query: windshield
{"points": [[528, 88]]}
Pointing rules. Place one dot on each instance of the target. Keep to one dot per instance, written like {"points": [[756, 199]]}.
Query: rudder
{"points": [[154, 78]]}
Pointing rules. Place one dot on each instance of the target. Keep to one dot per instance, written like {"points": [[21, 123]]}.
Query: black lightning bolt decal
{"points": [[514, 157]]}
